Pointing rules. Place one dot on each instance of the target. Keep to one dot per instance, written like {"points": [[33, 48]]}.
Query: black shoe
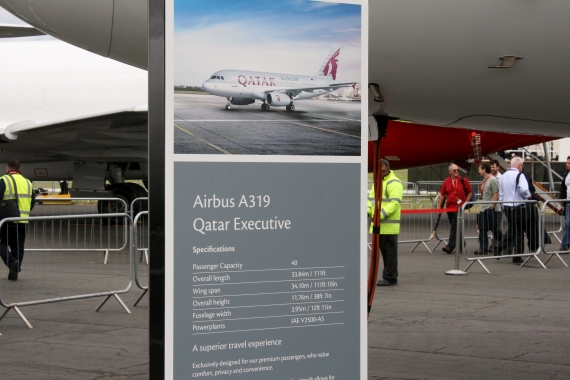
{"points": [[447, 250], [480, 252], [517, 260], [14, 268], [386, 283]]}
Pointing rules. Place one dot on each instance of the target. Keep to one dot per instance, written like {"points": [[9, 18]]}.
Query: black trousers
{"points": [[488, 221], [452, 216], [516, 220], [531, 227], [12, 235], [389, 250]]}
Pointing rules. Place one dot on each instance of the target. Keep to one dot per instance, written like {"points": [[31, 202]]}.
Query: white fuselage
{"points": [[255, 84]]}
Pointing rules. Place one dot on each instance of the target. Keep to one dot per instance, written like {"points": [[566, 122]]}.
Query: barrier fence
{"points": [[140, 245], [62, 261], [518, 233], [78, 206]]}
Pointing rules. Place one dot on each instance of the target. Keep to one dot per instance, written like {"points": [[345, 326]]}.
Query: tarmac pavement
{"points": [[511, 324]]}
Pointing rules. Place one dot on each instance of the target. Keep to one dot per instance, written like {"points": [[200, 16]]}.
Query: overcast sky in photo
{"points": [[288, 36]]}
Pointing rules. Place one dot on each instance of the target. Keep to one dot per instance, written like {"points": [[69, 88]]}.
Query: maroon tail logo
{"points": [[333, 64]]}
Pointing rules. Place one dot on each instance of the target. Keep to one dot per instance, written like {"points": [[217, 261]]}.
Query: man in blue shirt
{"points": [[514, 189]]}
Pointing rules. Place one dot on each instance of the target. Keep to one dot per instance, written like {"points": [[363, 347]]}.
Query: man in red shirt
{"points": [[455, 191]]}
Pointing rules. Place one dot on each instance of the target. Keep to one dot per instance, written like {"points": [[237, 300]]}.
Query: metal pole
{"points": [[460, 240], [549, 168]]}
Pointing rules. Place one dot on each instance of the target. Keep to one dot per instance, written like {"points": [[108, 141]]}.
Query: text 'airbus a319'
{"points": [[274, 89]]}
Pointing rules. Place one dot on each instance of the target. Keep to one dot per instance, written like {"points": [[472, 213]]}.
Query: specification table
{"points": [[280, 298]]}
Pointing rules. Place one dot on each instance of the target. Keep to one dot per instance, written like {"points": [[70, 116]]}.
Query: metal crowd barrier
{"points": [[81, 206], [534, 234], [69, 268], [552, 218], [413, 226], [140, 239]]}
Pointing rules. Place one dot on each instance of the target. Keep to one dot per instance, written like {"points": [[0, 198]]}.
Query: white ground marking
{"points": [[203, 140]]}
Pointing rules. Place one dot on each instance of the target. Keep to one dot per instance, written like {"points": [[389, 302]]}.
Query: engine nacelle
{"points": [[242, 101], [278, 99]]}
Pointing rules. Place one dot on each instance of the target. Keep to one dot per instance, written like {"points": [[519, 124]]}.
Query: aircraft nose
{"points": [[206, 86]]}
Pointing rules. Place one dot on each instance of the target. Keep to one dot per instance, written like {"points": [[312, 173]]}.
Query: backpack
{"points": [[470, 199]]}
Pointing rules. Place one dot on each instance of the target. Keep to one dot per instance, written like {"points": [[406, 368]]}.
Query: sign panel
{"points": [[265, 207]]}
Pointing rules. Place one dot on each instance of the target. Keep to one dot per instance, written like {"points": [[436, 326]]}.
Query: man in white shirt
{"points": [[514, 189]]}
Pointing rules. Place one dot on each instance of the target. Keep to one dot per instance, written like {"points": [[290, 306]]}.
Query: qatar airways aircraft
{"points": [[273, 89]]}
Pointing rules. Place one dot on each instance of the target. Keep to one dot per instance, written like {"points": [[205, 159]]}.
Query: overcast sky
{"points": [[287, 36]]}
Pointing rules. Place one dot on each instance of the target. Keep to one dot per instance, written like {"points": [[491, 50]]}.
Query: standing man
{"points": [[393, 191], [455, 190], [13, 234], [495, 169], [513, 190], [489, 213], [497, 174], [565, 195]]}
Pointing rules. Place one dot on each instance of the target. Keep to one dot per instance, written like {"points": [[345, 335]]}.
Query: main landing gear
{"points": [[265, 107], [229, 105], [290, 108]]}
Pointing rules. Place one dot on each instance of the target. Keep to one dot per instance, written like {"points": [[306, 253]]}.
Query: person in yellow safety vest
{"points": [[13, 234], [393, 192]]}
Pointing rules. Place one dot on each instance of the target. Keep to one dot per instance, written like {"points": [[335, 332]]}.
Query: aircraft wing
{"points": [[10, 31], [120, 135], [296, 91]]}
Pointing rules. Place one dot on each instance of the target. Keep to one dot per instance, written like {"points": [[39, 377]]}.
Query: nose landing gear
{"points": [[229, 105]]}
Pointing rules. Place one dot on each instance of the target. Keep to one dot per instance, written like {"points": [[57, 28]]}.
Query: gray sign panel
{"points": [[267, 270]]}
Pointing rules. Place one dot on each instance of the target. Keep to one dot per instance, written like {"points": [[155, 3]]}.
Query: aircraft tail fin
{"points": [[330, 66]]}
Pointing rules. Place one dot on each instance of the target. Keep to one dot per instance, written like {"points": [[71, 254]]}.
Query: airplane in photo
{"points": [[274, 89]]}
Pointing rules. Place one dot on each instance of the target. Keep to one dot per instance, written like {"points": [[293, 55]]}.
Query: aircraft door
{"points": [[234, 80]]}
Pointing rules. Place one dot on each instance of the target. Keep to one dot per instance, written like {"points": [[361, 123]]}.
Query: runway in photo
{"points": [[317, 127]]}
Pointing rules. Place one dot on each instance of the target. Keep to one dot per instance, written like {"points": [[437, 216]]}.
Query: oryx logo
{"points": [[332, 64], [278, 98]]}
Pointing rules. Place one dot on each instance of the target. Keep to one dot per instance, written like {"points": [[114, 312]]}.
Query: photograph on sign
{"points": [[267, 78]]}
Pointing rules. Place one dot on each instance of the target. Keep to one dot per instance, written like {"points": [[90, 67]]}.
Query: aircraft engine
{"points": [[278, 99], [242, 101]]}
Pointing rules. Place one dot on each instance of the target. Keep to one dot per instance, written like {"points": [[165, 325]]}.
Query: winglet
{"points": [[330, 66]]}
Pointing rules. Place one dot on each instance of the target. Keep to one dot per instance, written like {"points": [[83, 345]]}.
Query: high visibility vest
{"points": [[391, 205], [24, 193]]}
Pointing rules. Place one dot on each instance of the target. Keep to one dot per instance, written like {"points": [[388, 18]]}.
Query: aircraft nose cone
{"points": [[206, 86]]}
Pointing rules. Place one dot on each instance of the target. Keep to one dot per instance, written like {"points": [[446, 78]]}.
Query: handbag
{"points": [[9, 208]]}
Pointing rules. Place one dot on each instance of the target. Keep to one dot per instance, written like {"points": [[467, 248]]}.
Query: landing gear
{"points": [[229, 105], [126, 192], [290, 108], [265, 107]]}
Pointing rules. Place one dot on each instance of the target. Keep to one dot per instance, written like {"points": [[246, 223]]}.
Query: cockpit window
{"points": [[213, 77], [222, 78]]}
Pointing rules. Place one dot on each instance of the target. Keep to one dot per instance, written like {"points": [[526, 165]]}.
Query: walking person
{"points": [[488, 217], [393, 191], [514, 189], [13, 234], [455, 190], [565, 195]]}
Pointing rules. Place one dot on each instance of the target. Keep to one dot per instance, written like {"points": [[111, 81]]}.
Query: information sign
{"points": [[265, 196]]}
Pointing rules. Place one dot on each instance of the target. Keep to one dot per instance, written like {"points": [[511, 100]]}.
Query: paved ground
{"points": [[512, 324], [317, 127]]}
